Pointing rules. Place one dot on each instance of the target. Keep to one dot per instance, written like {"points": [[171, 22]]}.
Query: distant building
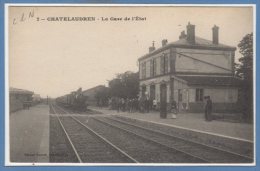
{"points": [[92, 96], [18, 98], [36, 98], [189, 69]]}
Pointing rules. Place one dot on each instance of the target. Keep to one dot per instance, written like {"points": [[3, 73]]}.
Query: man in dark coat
{"points": [[208, 109]]}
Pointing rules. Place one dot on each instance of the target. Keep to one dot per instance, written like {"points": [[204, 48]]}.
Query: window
{"points": [[199, 95], [153, 67], [143, 65], [164, 64]]}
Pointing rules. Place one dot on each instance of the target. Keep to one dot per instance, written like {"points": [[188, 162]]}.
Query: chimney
{"points": [[215, 35], [164, 42], [191, 33], [152, 48], [183, 35]]}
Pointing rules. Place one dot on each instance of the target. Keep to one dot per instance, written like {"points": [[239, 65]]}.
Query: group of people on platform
{"points": [[144, 104], [131, 105]]}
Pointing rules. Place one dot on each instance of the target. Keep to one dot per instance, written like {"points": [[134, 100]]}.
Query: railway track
{"points": [[233, 145], [59, 147], [140, 148], [146, 145], [88, 146], [207, 153]]}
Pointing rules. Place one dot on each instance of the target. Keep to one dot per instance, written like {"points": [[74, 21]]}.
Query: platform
{"points": [[29, 135], [194, 122]]}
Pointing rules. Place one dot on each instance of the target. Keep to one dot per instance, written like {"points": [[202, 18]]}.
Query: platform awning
{"points": [[212, 80]]}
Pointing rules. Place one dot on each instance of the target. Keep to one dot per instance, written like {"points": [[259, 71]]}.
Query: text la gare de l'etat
{"points": [[136, 18]]}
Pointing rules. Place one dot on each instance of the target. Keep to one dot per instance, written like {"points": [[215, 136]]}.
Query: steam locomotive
{"points": [[75, 101]]}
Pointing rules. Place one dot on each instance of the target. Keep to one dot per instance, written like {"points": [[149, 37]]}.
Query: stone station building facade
{"points": [[189, 69]]}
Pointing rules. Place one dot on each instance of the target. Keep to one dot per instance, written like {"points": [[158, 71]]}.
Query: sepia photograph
{"points": [[130, 85]]}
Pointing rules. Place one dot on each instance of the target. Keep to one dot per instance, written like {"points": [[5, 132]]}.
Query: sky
{"points": [[56, 57]]}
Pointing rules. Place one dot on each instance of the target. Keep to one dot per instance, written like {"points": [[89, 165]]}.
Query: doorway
{"points": [[163, 101], [152, 92], [143, 90]]}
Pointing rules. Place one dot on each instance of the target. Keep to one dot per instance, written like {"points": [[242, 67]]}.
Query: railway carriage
{"points": [[75, 100]]}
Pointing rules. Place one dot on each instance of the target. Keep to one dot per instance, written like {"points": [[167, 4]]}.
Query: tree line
{"points": [[124, 85], [244, 70]]}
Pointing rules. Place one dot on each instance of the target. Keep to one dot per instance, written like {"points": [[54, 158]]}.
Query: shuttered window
{"points": [[164, 64], [143, 70], [151, 68], [154, 67]]}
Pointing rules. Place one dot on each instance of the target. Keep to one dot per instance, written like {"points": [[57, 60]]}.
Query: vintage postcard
{"points": [[130, 85]]}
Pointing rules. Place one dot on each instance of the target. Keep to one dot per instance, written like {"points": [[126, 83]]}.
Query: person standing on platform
{"points": [[147, 105], [154, 104], [208, 109], [174, 107]]}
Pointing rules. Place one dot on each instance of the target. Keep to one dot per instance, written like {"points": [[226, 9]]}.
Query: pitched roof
{"points": [[19, 91], [200, 43], [211, 80]]}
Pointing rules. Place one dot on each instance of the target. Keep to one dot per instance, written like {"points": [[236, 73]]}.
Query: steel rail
{"points": [[103, 139], [67, 135], [183, 139], [155, 142]]}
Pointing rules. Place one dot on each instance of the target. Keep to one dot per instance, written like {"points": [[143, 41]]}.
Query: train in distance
{"points": [[75, 101]]}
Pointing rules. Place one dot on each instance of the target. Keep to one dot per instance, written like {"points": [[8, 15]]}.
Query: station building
{"points": [[18, 97], [189, 69]]}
